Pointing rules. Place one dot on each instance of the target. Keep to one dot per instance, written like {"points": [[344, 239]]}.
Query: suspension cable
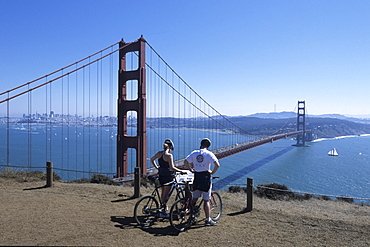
{"points": [[59, 70]]}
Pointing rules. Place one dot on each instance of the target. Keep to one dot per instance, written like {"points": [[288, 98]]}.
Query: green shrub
{"points": [[146, 181], [101, 179], [345, 199], [80, 181], [325, 198], [275, 191], [235, 189]]}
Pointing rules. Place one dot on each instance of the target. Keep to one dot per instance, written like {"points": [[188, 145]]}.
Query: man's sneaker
{"points": [[164, 215], [210, 223]]}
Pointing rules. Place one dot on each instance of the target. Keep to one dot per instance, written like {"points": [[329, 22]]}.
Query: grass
{"points": [[26, 176]]}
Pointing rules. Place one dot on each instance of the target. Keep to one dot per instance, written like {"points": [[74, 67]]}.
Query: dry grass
{"points": [[102, 215]]}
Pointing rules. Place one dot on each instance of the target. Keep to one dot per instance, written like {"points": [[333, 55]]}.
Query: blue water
{"points": [[306, 169]]}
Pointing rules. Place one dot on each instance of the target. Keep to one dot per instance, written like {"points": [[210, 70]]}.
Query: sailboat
{"points": [[333, 152]]}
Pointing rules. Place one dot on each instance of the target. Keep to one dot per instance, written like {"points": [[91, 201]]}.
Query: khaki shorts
{"points": [[205, 195]]}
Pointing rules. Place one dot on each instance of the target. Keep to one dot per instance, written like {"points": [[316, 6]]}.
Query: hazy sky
{"points": [[243, 57]]}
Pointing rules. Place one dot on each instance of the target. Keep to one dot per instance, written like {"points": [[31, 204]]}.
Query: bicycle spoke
{"points": [[146, 210], [180, 217]]}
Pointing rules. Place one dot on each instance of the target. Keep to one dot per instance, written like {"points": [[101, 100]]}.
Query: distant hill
{"points": [[323, 126], [275, 115], [285, 114]]}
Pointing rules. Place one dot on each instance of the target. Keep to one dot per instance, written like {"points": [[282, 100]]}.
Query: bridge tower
{"points": [[124, 140], [301, 124]]}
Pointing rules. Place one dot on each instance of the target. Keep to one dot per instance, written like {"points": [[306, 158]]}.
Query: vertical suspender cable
{"points": [[76, 121], [68, 121], [134, 89], [51, 122], [29, 128], [97, 116], [83, 123], [110, 114], [101, 113], [46, 122], [89, 139], [7, 132], [62, 140], [159, 95]]}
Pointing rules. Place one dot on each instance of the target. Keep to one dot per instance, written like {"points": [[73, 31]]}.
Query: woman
{"points": [[166, 170]]}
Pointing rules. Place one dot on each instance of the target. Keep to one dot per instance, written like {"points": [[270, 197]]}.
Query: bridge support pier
{"points": [[301, 124], [124, 140]]}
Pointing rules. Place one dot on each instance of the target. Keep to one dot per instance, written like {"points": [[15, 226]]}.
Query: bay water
{"points": [[306, 169]]}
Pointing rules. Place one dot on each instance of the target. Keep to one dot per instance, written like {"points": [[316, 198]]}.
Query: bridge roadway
{"points": [[224, 152], [236, 148]]}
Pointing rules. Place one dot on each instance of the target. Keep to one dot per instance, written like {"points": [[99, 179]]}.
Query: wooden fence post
{"points": [[249, 194], [137, 183], [49, 174]]}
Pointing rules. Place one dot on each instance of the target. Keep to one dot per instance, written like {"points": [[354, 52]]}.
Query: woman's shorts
{"points": [[165, 179]]}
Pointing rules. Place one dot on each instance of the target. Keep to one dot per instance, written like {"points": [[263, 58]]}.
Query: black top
{"points": [[164, 167]]}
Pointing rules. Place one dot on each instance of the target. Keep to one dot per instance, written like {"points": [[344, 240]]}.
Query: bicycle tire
{"points": [[216, 206], [180, 218], [146, 210]]}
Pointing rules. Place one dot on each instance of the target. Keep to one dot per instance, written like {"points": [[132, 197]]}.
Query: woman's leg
{"points": [[164, 195]]}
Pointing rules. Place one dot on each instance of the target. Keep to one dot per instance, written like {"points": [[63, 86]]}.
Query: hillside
{"points": [[70, 214], [321, 127]]}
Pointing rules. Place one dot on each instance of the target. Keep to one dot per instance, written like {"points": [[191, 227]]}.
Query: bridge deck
{"points": [[236, 148]]}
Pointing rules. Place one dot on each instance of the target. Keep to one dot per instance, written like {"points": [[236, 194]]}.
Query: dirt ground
{"points": [[102, 215]]}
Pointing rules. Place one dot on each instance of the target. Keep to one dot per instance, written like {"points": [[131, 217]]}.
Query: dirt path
{"points": [[101, 215]]}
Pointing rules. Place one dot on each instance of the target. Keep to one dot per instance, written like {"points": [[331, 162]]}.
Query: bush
{"points": [[101, 179], [325, 198], [345, 199], [147, 181], [302, 197], [80, 181], [275, 191], [235, 189]]}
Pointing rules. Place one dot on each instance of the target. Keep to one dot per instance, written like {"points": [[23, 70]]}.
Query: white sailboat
{"points": [[333, 152]]}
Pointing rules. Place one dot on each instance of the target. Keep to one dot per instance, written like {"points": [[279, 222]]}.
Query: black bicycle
{"points": [[184, 213], [148, 208]]}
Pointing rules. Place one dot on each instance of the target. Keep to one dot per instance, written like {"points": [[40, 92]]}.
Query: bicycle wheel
{"points": [[146, 210], [216, 206], [180, 218]]}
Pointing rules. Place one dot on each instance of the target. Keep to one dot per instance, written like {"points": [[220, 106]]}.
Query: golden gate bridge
{"points": [[99, 116]]}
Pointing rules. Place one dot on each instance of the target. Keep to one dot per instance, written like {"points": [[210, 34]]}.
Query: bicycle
{"points": [[148, 208], [183, 213]]}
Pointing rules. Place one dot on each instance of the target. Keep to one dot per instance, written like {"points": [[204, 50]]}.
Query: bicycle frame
{"points": [[175, 185], [148, 208], [184, 212]]}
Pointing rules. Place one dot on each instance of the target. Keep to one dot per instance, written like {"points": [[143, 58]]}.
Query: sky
{"points": [[242, 57]]}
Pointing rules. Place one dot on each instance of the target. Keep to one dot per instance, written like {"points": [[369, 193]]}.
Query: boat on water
{"points": [[333, 152]]}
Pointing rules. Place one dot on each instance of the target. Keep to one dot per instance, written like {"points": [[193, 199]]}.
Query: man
{"points": [[199, 162]]}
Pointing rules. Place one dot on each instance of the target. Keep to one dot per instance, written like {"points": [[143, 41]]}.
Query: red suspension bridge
{"points": [[87, 118]]}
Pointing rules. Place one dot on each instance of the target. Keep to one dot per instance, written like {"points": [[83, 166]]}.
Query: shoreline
{"points": [[340, 137]]}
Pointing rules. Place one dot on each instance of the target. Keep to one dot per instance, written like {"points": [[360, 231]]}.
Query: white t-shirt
{"points": [[202, 159]]}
